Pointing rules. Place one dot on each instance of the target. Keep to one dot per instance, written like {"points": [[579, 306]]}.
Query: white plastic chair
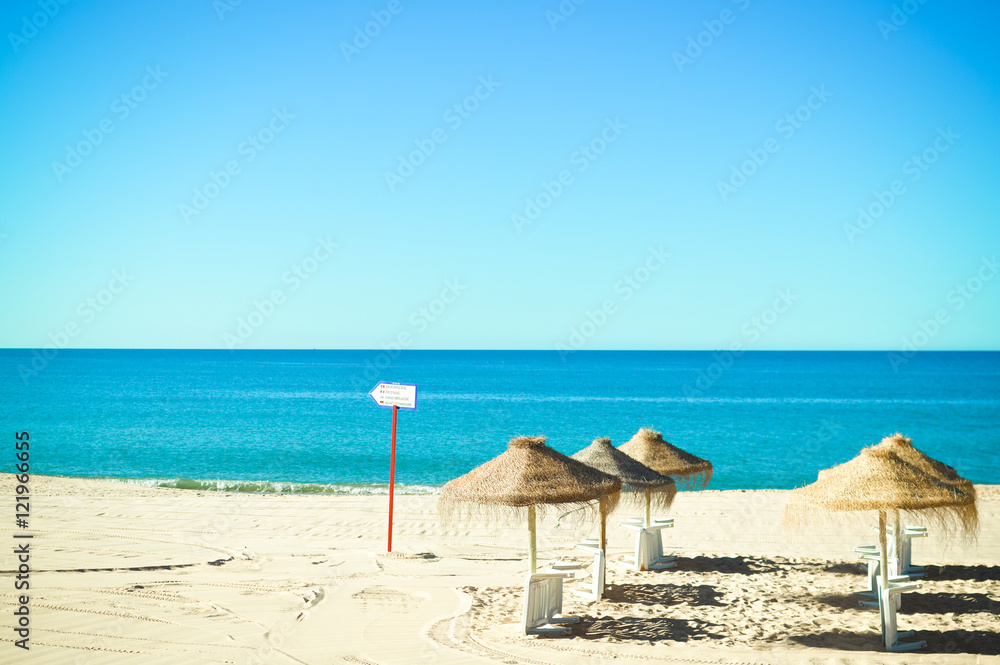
{"points": [[887, 609], [543, 596]]}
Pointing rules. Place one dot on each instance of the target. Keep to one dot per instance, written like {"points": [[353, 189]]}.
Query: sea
{"points": [[303, 421]]}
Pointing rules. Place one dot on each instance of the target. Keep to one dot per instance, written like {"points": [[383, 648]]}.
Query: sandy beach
{"points": [[130, 574]]}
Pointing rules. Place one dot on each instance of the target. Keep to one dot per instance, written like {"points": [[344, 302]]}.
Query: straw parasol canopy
{"points": [[902, 446], [529, 474], [649, 448], [636, 477], [879, 479]]}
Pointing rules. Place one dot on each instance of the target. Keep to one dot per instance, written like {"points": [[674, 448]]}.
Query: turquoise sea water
{"points": [[303, 421]]}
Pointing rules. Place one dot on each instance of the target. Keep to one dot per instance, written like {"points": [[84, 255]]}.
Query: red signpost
{"points": [[392, 472], [398, 396]]}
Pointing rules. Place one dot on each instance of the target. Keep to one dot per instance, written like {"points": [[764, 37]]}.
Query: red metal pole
{"points": [[392, 473]]}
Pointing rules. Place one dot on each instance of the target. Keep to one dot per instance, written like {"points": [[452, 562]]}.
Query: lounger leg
{"points": [[890, 636]]}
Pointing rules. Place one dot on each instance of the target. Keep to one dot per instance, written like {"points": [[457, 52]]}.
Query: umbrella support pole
{"points": [[883, 555], [604, 524], [648, 500], [897, 536], [531, 540]]}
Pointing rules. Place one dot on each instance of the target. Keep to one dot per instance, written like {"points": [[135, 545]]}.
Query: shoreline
{"points": [[129, 573], [277, 487], [267, 486]]}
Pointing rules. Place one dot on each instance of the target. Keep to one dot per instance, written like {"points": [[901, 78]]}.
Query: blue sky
{"points": [[308, 243]]}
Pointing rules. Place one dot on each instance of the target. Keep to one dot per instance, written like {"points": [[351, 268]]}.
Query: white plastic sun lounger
{"points": [[907, 534], [543, 596], [900, 570], [871, 593], [590, 542], [906, 550], [892, 637], [648, 545], [595, 589], [656, 540]]}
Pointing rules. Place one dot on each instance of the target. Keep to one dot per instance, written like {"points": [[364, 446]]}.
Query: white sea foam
{"points": [[275, 487]]}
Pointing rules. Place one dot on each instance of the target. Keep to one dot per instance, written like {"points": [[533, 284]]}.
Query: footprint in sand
{"points": [[424, 556], [387, 598]]}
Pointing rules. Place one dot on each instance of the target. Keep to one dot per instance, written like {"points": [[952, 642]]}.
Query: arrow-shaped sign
{"points": [[403, 395], [398, 396]]}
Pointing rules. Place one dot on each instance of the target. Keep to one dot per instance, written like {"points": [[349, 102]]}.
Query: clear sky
{"points": [[625, 175]]}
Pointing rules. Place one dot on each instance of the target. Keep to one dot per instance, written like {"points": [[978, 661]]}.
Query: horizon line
{"points": [[400, 351]]}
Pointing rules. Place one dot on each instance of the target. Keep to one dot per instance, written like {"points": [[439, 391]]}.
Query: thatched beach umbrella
{"points": [[529, 474], [635, 476], [902, 446], [879, 479], [649, 448]]}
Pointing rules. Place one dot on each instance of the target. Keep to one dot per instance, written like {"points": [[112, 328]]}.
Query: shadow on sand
{"points": [[948, 603], [755, 565], [840, 640], [972, 573], [846, 568], [663, 594], [651, 629], [978, 642], [923, 602], [730, 565]]}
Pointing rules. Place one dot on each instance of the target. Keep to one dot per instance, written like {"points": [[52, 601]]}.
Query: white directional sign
{"points": [[403, 395]]}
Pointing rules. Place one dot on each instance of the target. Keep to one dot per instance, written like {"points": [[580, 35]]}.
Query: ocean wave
{"points": [[445, 396], [274, 487], [655, 399]]}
